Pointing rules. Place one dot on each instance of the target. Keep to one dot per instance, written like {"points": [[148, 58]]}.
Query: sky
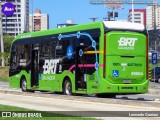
{"points": [[78, 10]]}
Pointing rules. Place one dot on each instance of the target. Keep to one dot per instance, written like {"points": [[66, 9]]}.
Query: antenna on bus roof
{"points": [[94, 19]]}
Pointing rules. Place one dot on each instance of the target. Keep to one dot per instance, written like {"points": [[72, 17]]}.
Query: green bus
{"points": [[103, 58]]}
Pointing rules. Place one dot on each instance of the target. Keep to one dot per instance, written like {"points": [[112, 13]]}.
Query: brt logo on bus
{"points": [[127, 43], [50, 66]]}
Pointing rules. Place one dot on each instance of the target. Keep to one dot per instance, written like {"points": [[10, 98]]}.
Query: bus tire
{"points": [[67, 88], [24, 85], [158, 80], [103, 95]]}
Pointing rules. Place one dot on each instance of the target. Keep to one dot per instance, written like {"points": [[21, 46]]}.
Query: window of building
{"points": [[18, 6], [19, 10], [137, 14], [136, 17]]}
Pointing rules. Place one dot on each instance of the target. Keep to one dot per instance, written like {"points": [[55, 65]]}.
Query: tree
{"points": [[7, 42], [7, 46], [25, 31]]}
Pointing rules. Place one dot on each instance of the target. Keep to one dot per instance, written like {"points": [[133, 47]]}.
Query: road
{"points": [[154, 92], [4, 84], [157, 85], [56, 104], [42, 101]]}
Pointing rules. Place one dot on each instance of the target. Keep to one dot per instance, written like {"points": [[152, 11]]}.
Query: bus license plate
{"points": [[126, 81]]}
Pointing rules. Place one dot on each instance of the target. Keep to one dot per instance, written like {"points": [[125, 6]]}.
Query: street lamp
{"points": [[1, 37]]}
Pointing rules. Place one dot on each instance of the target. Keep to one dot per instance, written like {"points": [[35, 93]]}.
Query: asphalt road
{"points": [[154, 84], [73, 104], [4, 84], [91, 109], [154, 92]]}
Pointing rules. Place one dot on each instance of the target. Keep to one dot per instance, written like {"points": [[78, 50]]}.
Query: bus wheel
{"points": [[106, 95], [67, 89], [24, 85], [159, 80]]}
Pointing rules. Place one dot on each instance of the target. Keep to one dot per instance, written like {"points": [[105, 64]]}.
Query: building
{"points": [[153, 15], [139, 16], [38, 21], [19, 21], [153, 26]]}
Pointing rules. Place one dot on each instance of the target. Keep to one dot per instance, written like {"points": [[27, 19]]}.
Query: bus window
{"points": [[13, 57]]}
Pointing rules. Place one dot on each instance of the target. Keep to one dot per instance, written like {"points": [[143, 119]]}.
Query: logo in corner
{"points": [[8, 9]]}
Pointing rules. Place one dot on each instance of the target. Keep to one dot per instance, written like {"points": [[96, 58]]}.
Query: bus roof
{"points": [[124, 25], [79, 27], [101, 25]]}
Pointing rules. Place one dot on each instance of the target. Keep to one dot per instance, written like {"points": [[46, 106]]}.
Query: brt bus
{"points": [[104, 58]]}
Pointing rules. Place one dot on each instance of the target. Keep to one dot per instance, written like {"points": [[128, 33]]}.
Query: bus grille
{"points": [[127, 87]]}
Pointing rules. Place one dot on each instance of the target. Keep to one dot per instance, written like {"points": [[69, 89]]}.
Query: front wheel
{"points": [[67, 89], [159, 80], [24, 85]]}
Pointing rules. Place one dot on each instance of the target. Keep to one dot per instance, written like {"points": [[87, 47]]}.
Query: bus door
{"points": [[80, 76], [34, 67]]}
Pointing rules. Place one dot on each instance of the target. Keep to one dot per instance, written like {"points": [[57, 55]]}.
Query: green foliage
{"points": [[25, 31], [6, 57], [7, 43], [7, 46]]}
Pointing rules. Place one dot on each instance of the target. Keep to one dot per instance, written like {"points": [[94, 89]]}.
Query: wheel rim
{"points": [[23, 85], [68, 88], [158, 80]]}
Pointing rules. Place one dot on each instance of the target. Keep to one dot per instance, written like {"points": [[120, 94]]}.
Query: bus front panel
{"points": [[126, 58]]}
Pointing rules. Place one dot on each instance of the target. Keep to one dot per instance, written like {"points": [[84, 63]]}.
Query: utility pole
{"points": [[133, 11], [1, 37], [155, 7], [154, 25], [109, 16], [32, 18], [94, 19], [113, 14], [17, 16]]}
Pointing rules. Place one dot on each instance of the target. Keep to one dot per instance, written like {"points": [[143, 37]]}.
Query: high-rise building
{"points": [[38, 21], [19, 21], [139, 16], [153, 15]]}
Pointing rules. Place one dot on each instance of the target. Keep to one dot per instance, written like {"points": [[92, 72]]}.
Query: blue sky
{"points": [[77, 10]]}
